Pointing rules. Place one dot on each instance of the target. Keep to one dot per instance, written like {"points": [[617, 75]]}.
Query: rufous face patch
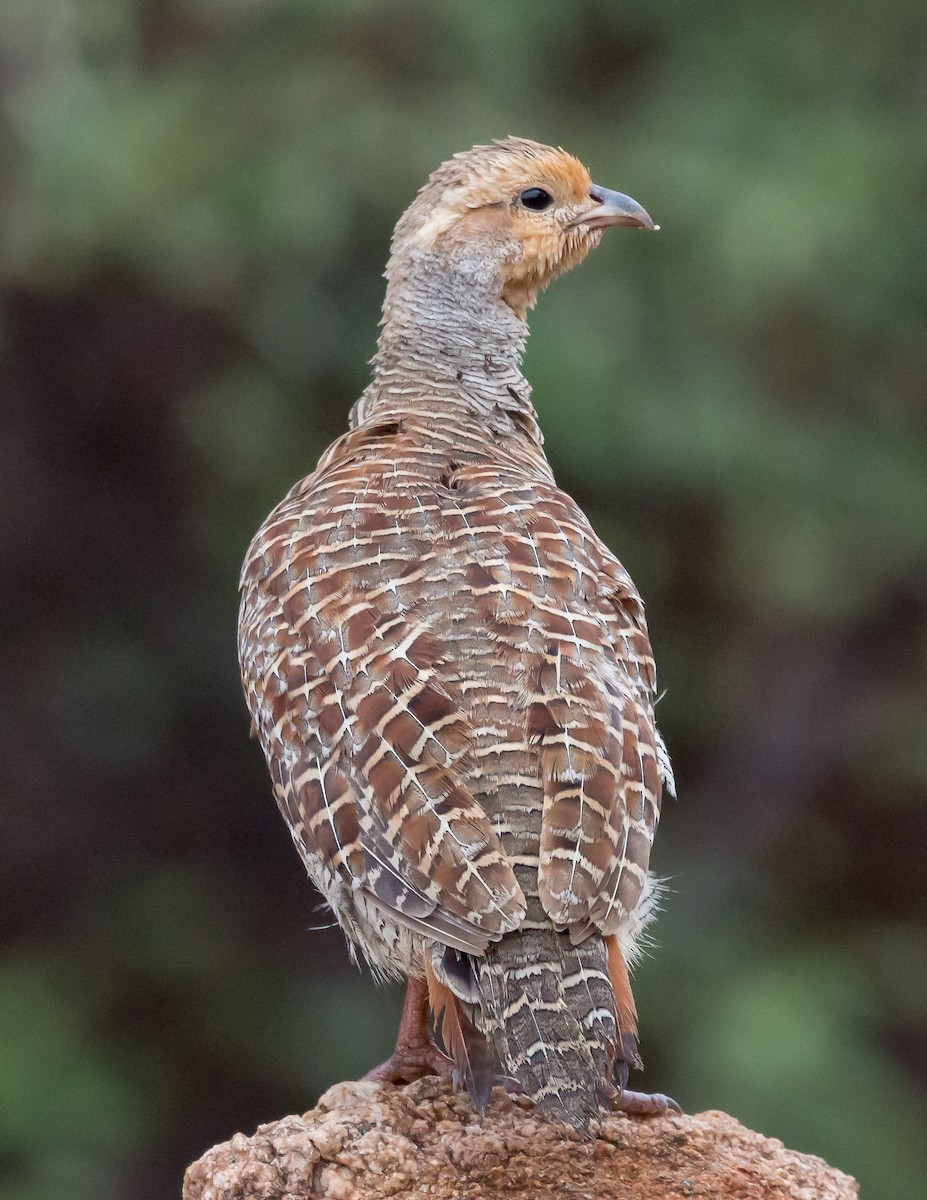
{"points": [[475, 199]]}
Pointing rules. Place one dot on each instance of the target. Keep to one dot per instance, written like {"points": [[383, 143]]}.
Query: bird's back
{"points": [[431, 584]]}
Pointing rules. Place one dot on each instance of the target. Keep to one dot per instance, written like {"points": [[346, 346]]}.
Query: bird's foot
{"points": [[413, 1061], [415, 1055], [644, 1104]]}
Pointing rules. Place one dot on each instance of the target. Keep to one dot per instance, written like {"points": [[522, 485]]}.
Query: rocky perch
{"points": [[365, 1141]]}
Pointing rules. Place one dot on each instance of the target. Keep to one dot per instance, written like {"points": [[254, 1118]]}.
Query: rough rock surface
{"points": [[365, 1141]]}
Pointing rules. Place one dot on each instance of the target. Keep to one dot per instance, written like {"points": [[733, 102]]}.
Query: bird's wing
{"points": [[581, 640], [343, 674]]}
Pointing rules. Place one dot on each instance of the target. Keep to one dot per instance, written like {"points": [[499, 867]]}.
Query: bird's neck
{"points": [[449, 349]]}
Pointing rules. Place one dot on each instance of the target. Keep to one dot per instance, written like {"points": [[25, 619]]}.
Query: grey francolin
{"points": [[450, 673]]}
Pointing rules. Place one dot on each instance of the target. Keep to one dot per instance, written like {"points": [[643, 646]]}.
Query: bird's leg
{"points": [[643, 1104], [638, 1104], [415, 1054]]}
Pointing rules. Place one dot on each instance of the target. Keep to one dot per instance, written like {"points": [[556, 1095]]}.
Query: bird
{"points": [[450, 673]]}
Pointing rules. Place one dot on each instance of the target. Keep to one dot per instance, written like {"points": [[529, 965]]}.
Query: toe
{"points": [[643, 1104]]}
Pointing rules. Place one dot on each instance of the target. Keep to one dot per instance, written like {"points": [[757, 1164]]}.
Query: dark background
{"points": [[196, 198]]}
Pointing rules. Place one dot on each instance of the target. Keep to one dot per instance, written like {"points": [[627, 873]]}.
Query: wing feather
{"points": [[343, 671], [574, 626]]}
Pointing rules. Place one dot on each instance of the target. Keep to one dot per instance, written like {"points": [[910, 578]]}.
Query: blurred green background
{"points": [[196, 199]]}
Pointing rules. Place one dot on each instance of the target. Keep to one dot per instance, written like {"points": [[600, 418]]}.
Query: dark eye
{"points": [[536, 199]]}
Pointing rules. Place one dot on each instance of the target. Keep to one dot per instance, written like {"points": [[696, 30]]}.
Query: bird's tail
{"points": [[559, 1019]]}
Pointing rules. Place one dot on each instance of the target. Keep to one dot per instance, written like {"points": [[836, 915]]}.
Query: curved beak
{"points": [[613, 208]]}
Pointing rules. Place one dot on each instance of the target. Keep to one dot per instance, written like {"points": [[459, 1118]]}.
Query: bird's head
{"points": [[515, 213]]}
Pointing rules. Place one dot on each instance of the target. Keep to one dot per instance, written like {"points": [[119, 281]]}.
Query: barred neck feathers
{"points": [[487, 232], [450, 347]]}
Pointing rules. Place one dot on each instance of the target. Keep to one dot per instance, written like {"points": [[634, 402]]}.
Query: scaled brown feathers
{"points": [[450, 673]]}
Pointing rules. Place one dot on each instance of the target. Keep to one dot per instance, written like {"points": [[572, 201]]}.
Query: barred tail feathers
{"points": [[548, 1010]]}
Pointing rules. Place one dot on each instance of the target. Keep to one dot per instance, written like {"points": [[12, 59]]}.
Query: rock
{"points": [[365, 1141]]}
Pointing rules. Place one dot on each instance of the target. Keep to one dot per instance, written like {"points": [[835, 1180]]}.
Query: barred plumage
{"points": [[450, 673]]}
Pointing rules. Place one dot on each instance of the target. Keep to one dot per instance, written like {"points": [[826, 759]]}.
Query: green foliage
{"points": [[197, 199]]}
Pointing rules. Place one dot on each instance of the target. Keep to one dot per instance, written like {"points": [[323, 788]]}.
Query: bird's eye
{"points": [[536, 199]]}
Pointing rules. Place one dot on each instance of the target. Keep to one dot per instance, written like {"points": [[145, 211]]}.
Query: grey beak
{"points": [[612, 208]]}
